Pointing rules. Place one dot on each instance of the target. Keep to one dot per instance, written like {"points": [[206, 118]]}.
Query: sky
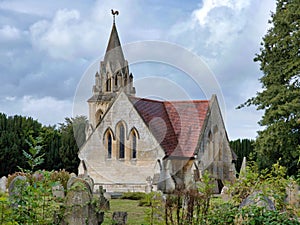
{"points": [[47, 49]]}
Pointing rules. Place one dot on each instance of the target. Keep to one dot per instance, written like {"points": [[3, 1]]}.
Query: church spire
{"points": [[114, 72], [112, 77]]}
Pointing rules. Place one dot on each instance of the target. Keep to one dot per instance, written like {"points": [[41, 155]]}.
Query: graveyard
{"points": [[58, 197], [142, 161]]}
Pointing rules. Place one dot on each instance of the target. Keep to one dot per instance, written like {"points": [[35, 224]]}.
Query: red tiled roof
{"points": [[176, 125]]}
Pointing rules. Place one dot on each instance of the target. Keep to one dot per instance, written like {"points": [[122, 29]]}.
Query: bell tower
{"points": [[113, 76]]}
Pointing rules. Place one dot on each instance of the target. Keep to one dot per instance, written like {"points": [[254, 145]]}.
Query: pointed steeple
{"points": [[114, 41], [112, 77]]}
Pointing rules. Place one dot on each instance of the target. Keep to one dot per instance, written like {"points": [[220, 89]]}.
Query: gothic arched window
{"points": [[108, 84], [133, 146], [109, 145], [121, 141], [108, 142]]}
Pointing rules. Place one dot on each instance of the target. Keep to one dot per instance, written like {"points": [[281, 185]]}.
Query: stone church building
{"points": [[139, 144]]}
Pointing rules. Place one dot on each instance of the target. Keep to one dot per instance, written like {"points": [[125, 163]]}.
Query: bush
{"points": [[223, 213], [258, 215], [61, 176], [133, 195]]}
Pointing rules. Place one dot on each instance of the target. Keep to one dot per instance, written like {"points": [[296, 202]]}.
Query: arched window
{"points": [[133, 150], [108, 84], [121, 141], [109, 145], [116, 80]]}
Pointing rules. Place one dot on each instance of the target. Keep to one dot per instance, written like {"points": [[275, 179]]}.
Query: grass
{"points": [[136, 214]]}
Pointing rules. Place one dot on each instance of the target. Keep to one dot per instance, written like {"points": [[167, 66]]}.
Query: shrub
{"points": [[133, 195], [61, 176], [223, 213], [258, 215]]}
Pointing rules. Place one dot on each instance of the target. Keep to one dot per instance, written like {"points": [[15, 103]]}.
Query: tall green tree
{"points": [[243, 148], [279, 60], [72, 138], [14, 130]]}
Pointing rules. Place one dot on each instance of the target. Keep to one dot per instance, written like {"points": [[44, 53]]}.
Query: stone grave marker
{"points": [[78, 203], [16, 186], [104, 202], [3, 183], [119, 218], [292, 192], [257, 198], [58, 191], [225, 194]]}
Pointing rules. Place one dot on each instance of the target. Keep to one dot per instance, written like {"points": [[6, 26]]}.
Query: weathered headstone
{"points": [[292, 192], [70, 182], [225, 193], [104, 202], [58, 191], [88, 179], [3, 183], [149, 187], [119, 218], [15, 185], [79, 208], [38, 176], [15, 189], [257, 198]]}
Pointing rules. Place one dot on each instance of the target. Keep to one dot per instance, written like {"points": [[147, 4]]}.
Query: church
{"points": [[140, 144]]}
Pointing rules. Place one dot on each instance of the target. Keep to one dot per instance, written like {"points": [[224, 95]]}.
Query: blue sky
{"points": [[46, 47]]}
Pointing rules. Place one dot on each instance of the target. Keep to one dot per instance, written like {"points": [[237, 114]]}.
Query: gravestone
{"points": [[104, 202], [78, 205], [3, 183], [58, 191], [119, 218], [292, 193], [88, 179], [70, 182], [15, 189], [257, 198], [16, 184], [38, 176], [148, 187], [225, 194]]}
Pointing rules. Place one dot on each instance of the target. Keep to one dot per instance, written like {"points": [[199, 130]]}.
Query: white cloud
{"points": [[202, 14], [8, 32], [47, 110]]}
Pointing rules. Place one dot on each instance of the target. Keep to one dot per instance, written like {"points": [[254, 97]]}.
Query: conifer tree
{"points": [[279, 60]]}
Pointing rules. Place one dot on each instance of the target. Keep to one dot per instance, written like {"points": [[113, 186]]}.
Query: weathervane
{"points": [[114, 13]]}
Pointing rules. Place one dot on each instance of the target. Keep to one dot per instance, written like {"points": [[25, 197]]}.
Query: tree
{"points": [[242, 148], [279, 60], [72, 138], [33, 156]]}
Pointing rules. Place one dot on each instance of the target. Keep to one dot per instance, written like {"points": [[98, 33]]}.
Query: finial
{"points": [[114, 13]]}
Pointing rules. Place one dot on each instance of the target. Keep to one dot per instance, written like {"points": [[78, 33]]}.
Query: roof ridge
{"points": [[169, 101]]}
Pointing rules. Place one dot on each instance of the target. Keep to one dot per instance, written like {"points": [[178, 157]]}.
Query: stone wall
{"points": [[111, 171], [214, 154]]}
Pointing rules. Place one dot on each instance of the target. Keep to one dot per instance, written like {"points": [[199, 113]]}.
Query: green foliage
{"points": [[258, 215], [56, 148], [133, 195], [223, 213], [14, 130], [242, 148], [32, 202], [155, 210], [72, 138], [61, 176], [280, 97], [32, 156]]}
